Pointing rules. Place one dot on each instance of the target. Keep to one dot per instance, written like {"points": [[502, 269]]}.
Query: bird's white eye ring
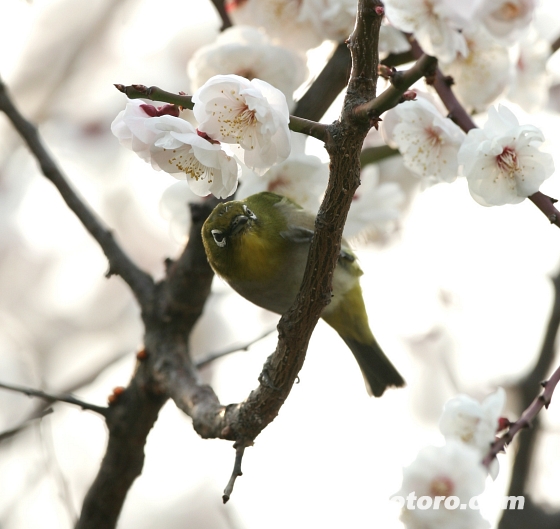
{"points": [[219, 238], [249, 213]]}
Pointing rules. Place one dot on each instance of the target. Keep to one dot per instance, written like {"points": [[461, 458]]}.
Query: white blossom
{"points": [[427, 140], [502, 161], [450, 470], [506, 19], [183, 152], [474, 423], [175, 146], [302, 178], [332, 19], [174, 207], [251, 114], [435, 24], [282, 20], [130, 129], [376, 206], [487, 59], [247, 52], [392, 40], [531, 80]]}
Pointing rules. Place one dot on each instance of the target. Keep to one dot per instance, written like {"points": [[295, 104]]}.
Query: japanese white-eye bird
{"points": [[259, 245]]}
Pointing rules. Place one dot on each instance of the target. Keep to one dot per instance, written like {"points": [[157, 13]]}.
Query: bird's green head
{"points": [[240, 230]]}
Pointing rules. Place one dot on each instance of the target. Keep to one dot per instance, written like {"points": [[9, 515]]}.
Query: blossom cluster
{"points": [[490, 40], [455, 469], [502, 162], [250, 116]]}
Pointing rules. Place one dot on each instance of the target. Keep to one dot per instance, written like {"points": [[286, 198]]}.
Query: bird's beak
{"points": [[237, 224]]}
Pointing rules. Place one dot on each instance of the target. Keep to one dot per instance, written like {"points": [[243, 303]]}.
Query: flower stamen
{"points": [[507, 162]]}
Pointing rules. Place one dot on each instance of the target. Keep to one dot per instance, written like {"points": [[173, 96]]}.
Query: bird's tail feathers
{"points": [[379, 373]]}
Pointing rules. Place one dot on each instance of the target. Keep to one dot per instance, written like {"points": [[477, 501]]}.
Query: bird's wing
{"points": [[297, 234]]}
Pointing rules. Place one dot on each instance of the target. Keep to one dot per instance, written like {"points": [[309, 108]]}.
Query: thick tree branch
{"points": [[166, 369], [140, 283], [243, 422]]}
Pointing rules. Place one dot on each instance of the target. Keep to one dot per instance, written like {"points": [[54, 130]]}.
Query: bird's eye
{"points": [[249, 213], [219, 238]]}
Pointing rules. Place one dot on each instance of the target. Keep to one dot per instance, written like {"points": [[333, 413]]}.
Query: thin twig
{"points": [[527, 443], [543, 400], [442, 85], [7, 434], [546, 205], [239, 451], [69, 399], [119, 263], [400, 83], [396, 59], [154, 93], [43, 408], [214, 356], [376, 154], [460, 116], [311, 128]]}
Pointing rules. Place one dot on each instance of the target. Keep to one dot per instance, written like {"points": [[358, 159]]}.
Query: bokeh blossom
{"points": [[453, 470], [247, 52]]}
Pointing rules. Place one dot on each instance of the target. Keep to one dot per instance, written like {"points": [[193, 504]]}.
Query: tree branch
{"points": [[376, 154], [140, 283], [460, 116], [239, 451], [325, 89], [543, 400], [546, 205], [400, 83], [203, 362], [243, 422], [51, 397], [221, 9], [8, 434], [153, 93]]}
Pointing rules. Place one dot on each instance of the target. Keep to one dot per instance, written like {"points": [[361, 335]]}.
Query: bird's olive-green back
{"points": [[265, 259]]}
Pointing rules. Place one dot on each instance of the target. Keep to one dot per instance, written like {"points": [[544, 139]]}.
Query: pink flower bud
{"points": [[152, 111]]}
